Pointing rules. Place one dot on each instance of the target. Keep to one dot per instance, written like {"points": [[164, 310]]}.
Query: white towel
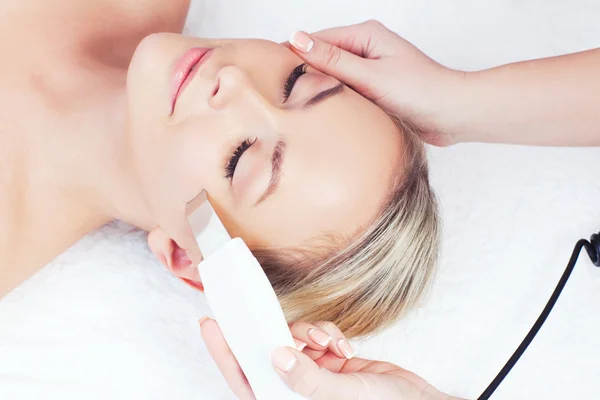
{"points": [[105, 321]]}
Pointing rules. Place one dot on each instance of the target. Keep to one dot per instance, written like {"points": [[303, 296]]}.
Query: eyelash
{"points": [[246, 144], [235, 157], [291, 80]]}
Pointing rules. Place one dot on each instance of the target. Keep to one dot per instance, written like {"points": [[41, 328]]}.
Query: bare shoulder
{"points": [[66, 23]]}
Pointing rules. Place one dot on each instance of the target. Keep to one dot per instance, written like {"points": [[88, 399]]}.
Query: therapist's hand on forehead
{"points": [[385, 68]]}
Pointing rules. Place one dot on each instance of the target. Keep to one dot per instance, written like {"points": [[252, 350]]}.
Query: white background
{"points": [[106, 321]]}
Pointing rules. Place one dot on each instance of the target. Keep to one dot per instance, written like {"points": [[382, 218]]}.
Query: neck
{"points": [[102, 181], [70, 175]]}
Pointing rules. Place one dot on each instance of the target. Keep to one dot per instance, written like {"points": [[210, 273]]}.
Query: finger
{"points": [[305, 377], [225, 360], [331, 362], [339, 345], [315, 338], [369, 39], [300, 345], [341, 64], [320, 337]]}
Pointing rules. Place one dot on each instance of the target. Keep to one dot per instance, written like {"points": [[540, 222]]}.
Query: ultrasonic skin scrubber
{"points": [[243, 303]]}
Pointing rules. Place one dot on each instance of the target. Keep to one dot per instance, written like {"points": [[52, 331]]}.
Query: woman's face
{"points": [[286, 153]]}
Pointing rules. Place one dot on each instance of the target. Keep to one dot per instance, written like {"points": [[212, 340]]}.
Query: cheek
{"points": [[196, 159], [174, 164], [196, 163]]}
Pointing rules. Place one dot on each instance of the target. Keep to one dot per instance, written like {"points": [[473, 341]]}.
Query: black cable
{"points": [[593, 250]]}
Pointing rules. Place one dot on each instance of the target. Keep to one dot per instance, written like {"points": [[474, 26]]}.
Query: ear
{"points": [[174, 258]]}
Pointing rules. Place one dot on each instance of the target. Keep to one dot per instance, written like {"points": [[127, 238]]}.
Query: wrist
{"points": [[452, 108]]}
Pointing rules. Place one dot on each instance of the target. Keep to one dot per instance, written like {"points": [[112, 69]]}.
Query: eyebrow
{"points": [[279, 151], [324, 95], [276, 164]]}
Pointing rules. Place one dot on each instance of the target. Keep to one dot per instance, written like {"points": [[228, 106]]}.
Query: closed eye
{"points": [[235, 157], [292, 79]]}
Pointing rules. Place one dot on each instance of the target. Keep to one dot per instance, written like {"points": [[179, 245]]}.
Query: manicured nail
{"points": [[345, 348], [283, 359], [318, 336], [300, 345], [301, 41]]}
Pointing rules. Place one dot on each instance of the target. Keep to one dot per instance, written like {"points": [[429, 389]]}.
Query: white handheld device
{"points": [[243, 303]]}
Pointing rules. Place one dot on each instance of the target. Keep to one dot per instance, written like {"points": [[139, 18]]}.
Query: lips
{"points": [[185, 69]]}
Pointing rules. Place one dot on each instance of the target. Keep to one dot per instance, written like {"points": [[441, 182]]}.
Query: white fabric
{"points": [[105, 321]]}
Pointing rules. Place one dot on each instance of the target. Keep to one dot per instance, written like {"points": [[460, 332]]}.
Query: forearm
{"points": [[553, 101]]}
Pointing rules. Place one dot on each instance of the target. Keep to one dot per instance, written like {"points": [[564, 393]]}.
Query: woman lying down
{"points": [[100, 121]]}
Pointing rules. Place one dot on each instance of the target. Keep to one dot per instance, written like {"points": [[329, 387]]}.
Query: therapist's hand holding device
{"points": [[315, 361], [322, 367]]}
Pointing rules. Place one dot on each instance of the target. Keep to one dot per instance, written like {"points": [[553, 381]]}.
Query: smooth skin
{"points": [[548, 102]]}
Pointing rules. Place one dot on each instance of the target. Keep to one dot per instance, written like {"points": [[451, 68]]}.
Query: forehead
{"points": [[341, 160]]}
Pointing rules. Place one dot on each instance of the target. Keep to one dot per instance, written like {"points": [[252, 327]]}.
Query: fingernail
{"points": [[345, 348], [300, 345], [301, 41], [284, 359], [319, 336]]}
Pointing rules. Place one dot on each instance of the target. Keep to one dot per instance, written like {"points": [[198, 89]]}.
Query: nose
{"points": [[234, 89]]}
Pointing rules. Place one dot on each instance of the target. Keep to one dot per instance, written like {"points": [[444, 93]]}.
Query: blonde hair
{"points": [[371, 282]]}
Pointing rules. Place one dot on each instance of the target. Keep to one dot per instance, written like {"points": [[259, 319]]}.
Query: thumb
{"points": [[330, 59], [301, 374]]}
